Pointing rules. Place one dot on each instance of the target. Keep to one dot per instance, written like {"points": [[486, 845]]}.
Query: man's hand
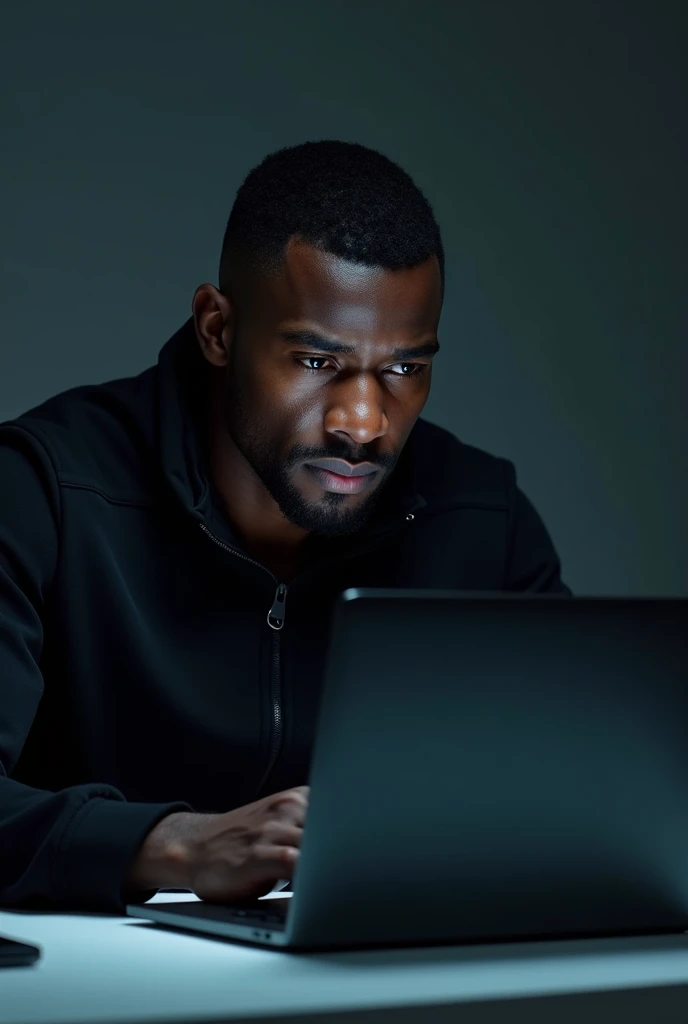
{"points": [[224, 857]]}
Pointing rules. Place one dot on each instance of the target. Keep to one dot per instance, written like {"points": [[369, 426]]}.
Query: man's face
{"points": [[330, 360]]}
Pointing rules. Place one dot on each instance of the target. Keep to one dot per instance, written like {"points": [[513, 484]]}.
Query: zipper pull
{"points": [[277, 612]]}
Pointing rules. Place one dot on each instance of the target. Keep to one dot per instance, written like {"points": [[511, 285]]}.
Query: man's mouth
{"points": [[339, 467], [340, 477]]}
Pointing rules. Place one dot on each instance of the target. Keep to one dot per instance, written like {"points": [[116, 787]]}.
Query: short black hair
{"points": [[343, 197]]}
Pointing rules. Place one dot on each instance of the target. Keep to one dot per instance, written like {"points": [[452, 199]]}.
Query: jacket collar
{"points": [[182, 389]]}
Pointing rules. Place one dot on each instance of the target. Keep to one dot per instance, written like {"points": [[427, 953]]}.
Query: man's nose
{"points": [[357, 409]]}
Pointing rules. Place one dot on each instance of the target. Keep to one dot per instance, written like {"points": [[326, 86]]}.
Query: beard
{"points": [[328, 517]]}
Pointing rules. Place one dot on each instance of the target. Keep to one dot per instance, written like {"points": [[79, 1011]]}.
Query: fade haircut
{"points": [[344, 198]]}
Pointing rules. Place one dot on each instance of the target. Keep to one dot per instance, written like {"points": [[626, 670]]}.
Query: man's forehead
{"points": [[317, 285], [304, 262]]}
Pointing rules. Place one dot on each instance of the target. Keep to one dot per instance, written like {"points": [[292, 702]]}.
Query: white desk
{"points": [[112, 970]]}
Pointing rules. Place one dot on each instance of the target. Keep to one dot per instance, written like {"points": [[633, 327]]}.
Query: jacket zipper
{"points": [[275, 618]]}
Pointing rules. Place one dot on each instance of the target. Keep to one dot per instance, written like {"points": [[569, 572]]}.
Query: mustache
{"points": [[303, 453]]}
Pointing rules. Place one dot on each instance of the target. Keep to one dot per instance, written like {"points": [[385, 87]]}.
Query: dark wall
{"points": [[550, 138]]}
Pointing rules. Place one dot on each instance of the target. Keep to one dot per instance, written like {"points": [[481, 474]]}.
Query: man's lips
{"points": [[337, 483], [339, 467]]}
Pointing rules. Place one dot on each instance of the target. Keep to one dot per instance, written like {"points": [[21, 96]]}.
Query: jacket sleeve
{"points": [[69, 849], [533, 564]]}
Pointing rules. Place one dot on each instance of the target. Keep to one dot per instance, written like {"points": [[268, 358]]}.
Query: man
{"points": [[171, 544]]}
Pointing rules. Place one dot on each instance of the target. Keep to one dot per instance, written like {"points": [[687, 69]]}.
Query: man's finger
{"points": [[281, 833], [274, 862], [292, 807]]}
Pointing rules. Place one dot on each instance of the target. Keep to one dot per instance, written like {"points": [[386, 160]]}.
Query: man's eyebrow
{"points": [[428, 348], [310, 339]]}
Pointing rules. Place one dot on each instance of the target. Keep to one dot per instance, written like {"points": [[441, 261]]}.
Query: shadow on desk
{"points": [[647, 1006], [549, 950]]}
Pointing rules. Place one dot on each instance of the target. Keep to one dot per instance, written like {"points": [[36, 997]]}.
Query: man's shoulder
{"points": [[95, 434], [450, 472]]}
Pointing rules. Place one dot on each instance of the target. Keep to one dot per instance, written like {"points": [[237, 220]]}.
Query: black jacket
{"points": [[138, 672]]}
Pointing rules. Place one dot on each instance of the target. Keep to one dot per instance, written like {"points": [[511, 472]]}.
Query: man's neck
{"points": [[253, 514]]}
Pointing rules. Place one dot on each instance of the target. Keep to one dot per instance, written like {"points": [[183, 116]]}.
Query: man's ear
{"points": [[214, 322]]}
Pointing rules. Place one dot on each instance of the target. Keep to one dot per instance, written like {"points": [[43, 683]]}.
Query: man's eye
{"points": [[407, 369], [312, 359], [412, 369]]}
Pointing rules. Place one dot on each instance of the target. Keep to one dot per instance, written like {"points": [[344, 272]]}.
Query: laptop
{"points": [[487, 767]]}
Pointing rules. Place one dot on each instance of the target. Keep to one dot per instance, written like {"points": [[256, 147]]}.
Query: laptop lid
{"points": [[515, 765]]}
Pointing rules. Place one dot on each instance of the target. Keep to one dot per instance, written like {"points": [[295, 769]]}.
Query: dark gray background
{"points": [[549, 137]]}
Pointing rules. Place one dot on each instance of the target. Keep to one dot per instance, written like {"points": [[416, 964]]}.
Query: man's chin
{"points": [[325, 523], [328, 519]]}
